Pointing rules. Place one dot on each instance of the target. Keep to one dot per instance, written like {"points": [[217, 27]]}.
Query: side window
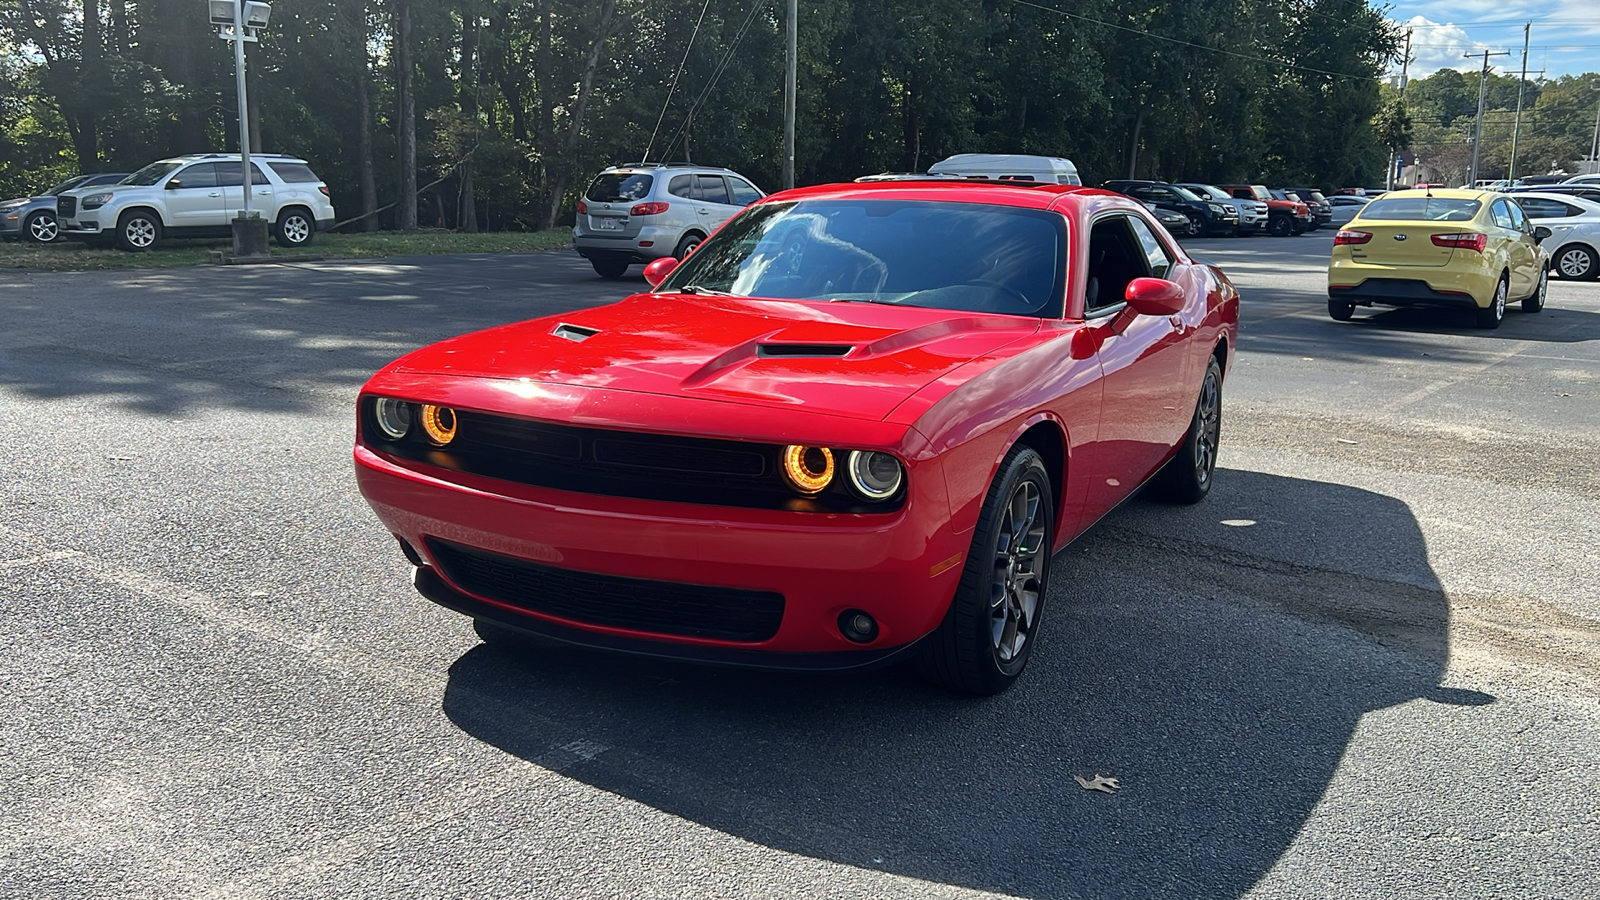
{"points": [[1519, 218], [1502, 215], [681, 186], [199, 175], [293, 172], [228, 174], [744, 193], [712, 189], [1114, 260], [1154, 252], [257, 176]]}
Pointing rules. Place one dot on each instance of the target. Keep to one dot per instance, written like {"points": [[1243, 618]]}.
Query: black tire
{"points": [[41, 227], [1187, 477], [1340, 311], [1535, 302], [610, 268], [138, 230], [989, 632], [687, 245], [1280, 226], [296, 226], [1495, 313], [1576, 262]]}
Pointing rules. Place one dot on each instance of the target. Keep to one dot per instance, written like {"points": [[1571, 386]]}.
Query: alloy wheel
{"points": [[140, 232], [296, 229], [1020, 557], [1575, 263], [43, 228], [1209, 429]]}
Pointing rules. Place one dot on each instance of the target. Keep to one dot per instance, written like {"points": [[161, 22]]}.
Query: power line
{"points": [[1162, 37]]}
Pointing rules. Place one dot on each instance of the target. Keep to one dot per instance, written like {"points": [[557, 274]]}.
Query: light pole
{"points": [[238, 21], [1477, 139]]}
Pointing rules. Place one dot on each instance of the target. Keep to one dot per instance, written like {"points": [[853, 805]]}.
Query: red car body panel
{"points": [[946, 392]]}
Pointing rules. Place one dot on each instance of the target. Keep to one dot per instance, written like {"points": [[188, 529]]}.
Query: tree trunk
{"points": [[468, 209], [1133, 143], [369, 186], [558, 186], [407, 118], [87, 139], [252, 92], [119, 26]]}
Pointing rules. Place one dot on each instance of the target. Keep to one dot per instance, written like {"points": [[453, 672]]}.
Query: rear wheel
{"points": [[687, 245], [1280, 226], [610, 268], [988, 633], [42, 227], [138, 231], [1339, 310], [1578, 263], [1186, 478], [1492, 315], [1536, 302], [295, 227]]}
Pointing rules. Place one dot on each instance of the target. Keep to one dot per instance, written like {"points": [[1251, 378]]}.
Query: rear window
{"points": [[617, 187], [294, 172], [1422, 209]]}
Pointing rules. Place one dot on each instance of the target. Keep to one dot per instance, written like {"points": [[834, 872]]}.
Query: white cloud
{"points": [[1436, 46]]}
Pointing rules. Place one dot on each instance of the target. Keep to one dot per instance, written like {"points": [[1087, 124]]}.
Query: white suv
{"points": [[198, 196], [633, 214]]}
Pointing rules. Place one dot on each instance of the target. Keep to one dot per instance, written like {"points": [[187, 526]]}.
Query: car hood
{"points": [[851, 359]]}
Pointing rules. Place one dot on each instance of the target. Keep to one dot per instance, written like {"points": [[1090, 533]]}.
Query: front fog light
{"points": [[439, 423], [809, 469], [873, 475], [394, 417]]}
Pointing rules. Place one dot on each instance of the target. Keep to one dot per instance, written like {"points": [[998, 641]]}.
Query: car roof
{"points": [[229, 157], [1588, 203], [1027, 194], [1443, 193]]}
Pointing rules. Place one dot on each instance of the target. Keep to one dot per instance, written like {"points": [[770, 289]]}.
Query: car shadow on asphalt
{"points": [[1201, 655]]}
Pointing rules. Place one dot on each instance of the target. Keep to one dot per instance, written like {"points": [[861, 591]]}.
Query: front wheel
{"points": [[1492, 315], [1280, 226], [295, 228], [1197, 225], [1536, 302], [1187, 477], [138, 231], [42, 227], [988, 633]]}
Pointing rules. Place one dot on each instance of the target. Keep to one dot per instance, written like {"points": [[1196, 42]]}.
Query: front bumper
{"points": [[901, 568]]}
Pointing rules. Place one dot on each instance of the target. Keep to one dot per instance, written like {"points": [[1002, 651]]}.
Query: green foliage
{"points": [[1265, 90]]}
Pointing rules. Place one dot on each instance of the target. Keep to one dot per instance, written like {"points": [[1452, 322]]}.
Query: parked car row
{"points": [[197, 195]]}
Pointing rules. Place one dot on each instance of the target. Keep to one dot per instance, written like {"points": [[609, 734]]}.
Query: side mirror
{"points": [[658, 270], [1154, 297], [1540, 233], [174, 184]]}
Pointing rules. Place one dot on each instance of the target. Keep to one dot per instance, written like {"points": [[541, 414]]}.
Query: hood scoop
{"points": [[577, 333], [803, 351]]}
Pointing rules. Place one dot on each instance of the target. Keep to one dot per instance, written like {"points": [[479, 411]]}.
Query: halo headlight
{"points": [[439, 423], [808, 469], [872, 475], [393, 416]]}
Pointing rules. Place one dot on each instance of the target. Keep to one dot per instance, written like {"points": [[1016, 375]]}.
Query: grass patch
{"points": [[75, 255]]}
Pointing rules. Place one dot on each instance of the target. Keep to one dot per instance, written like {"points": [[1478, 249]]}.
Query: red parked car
{"points": [[852, 427]]}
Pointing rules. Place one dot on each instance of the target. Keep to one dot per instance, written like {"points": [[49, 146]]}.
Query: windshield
{"points": [[1207, 191], [67, 185], [1185, 193], [1422, 209], [1259, 192], [152, 173], [618, 187], [940, 255]]}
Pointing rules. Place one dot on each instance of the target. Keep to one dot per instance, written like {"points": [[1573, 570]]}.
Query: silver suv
{"points": [[198, 196], [633, 214]]}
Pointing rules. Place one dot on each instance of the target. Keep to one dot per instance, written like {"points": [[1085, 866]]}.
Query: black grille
{"points": [[658, 607], [66, 207], [620, 464]]}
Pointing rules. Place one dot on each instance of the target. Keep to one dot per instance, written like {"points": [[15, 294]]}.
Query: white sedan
{"points": [[1345, 207], [1574, 222]]}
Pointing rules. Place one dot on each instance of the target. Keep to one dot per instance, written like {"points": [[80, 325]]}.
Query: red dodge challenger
{"points": [[853, 427]]}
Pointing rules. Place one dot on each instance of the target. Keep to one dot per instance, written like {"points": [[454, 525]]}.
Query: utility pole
{"points": [[1516, 131], [1594, 148], [1405, 65], [788, 96], [1483, 91]]}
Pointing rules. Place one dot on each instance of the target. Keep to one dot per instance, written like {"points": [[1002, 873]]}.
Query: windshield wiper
{"points": [[698, 289]]}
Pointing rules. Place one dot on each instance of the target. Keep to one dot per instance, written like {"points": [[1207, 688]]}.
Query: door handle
{"points": [[262, 193], [215, 194]]}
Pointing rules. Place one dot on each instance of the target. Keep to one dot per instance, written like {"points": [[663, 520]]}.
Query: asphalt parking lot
{"points": [[1367, 666]]}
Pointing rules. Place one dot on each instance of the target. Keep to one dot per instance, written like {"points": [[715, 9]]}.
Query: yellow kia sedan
{"points": [[1434, 247]]}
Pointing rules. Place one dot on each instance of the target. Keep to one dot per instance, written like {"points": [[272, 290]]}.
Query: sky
{"points": [[1565, 38]]}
